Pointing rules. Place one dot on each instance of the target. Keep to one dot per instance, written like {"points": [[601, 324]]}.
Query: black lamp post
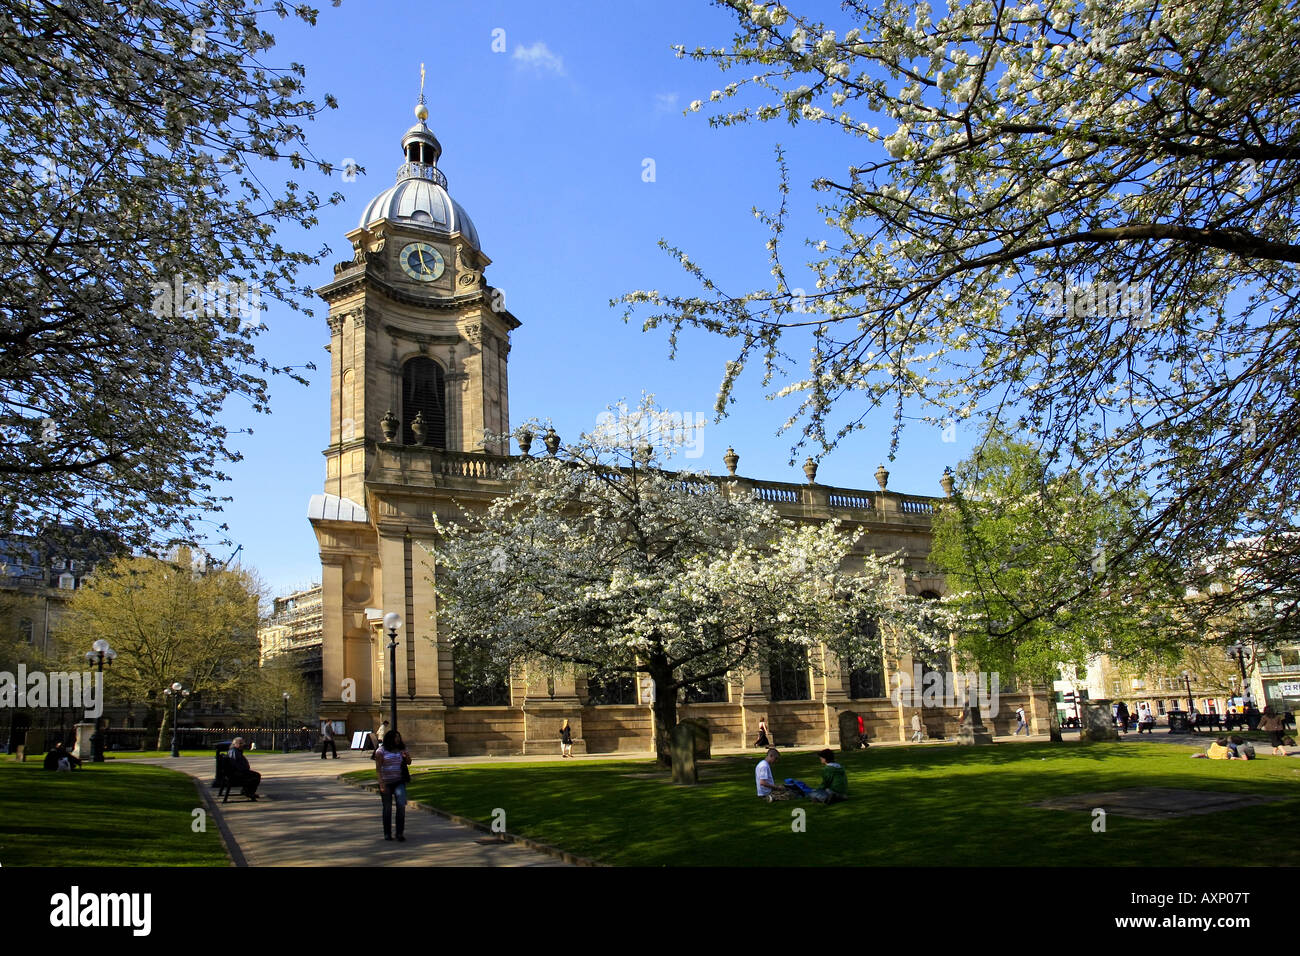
{"points": [[285, 742], [1241, 653], [393, 622], [99, 655], [177, 693], [1191, 707]]}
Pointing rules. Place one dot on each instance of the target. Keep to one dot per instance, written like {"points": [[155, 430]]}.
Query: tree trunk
{"points": [[1053, 718], [163, 726], [665, 711]]}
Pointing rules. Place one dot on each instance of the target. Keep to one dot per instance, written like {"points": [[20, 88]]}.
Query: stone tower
{"points": [[418, 366]]}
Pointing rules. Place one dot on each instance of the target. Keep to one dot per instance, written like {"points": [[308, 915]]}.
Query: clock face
{"points": [[422, 262]]}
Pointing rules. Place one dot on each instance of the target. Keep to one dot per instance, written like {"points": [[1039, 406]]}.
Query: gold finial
{"points": [[421, 111]]}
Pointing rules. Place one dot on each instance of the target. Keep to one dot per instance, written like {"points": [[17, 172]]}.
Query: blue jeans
{"points": [[394, 791]]}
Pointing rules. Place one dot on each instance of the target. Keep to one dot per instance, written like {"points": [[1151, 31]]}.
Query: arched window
{"points": [[938, 661], [787, 671], [424, 391], [867, 674]]}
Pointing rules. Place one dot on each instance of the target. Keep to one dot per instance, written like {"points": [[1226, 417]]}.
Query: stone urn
{"points": [[882, 477], [731, 460], [525, 439], [552, 442], [419, 428], [389, 424], [810, 469]]}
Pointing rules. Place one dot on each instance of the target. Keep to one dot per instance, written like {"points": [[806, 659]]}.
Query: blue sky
{"points": [[544, 145]]}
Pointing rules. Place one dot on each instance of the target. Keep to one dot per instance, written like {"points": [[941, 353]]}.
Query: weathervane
{"points": [[421, 111]]}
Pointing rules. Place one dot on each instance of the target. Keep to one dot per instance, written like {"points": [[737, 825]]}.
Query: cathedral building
{"points": [[419, 358]]}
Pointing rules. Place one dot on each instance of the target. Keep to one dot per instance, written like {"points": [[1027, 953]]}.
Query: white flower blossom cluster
{"points": [[601, 559]]}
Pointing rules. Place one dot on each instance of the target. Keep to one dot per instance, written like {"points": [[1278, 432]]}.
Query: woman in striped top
{"points": [[391, 760]]}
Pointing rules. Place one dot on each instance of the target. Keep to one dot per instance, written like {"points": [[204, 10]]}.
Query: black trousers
{"points": [[328, 742], [248, 781]]}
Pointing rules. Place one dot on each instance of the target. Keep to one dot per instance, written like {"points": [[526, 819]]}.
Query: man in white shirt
{"points": [[763, 780]]}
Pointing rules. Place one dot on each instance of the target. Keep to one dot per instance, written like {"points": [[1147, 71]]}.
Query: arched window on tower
{"points": [[424, 391]]}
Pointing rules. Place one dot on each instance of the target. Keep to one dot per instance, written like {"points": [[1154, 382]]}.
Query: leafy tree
{"points": [[137, 243], [1025, 552], [1077, 218], [601, 559], [261, 690], [169, 621]]}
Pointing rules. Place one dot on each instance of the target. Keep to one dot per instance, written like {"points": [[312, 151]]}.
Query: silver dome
{"points": [[420, 194], [424, 202]]}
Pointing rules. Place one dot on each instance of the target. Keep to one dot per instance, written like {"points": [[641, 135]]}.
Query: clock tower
{"points": [[418, 398]]}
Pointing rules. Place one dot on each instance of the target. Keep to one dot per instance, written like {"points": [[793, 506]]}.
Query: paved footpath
{"points": [[306, 816]]}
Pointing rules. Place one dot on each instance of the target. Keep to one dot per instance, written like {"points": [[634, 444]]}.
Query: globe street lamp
{"points": [[177, 693], [393, 622], [285, 695], [99, 654]]}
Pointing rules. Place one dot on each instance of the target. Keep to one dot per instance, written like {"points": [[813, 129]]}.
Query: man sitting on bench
{"points": [[242, 774]]}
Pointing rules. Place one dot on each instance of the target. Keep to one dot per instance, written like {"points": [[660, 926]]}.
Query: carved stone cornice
{"points": [[422, 339], [364, 280]]}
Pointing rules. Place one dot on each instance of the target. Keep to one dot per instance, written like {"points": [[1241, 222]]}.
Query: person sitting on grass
{"points": [[1221, 749], [835, 782], [1245, 750], [764, 781], [59, 759]]}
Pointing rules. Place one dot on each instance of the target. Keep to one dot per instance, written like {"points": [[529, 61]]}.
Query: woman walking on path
{"points": [[391, 760], [762, 734], [566, 739], [1272, 725]]}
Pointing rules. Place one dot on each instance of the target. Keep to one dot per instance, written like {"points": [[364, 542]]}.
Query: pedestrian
{"points": [[917, 727], [1272, 725], [566, 739], [327, 739], [862, 734], [762, 740], [1121, 712], [379, 735], [391, 761], [1022, 723]]}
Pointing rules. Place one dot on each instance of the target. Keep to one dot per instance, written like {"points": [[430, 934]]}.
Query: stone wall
{"points": [[617, 727], [473, 731]]}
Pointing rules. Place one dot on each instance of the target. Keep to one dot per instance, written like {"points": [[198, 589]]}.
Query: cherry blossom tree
{"points": [[603, 560], [146, 146], [1075, 218]]}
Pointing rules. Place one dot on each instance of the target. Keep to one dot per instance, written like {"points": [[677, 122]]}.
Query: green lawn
{"points": [[109, 814], [940, 806]]}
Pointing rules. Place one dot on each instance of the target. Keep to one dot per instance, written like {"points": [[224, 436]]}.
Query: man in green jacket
{"points": [[835, 782]]}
